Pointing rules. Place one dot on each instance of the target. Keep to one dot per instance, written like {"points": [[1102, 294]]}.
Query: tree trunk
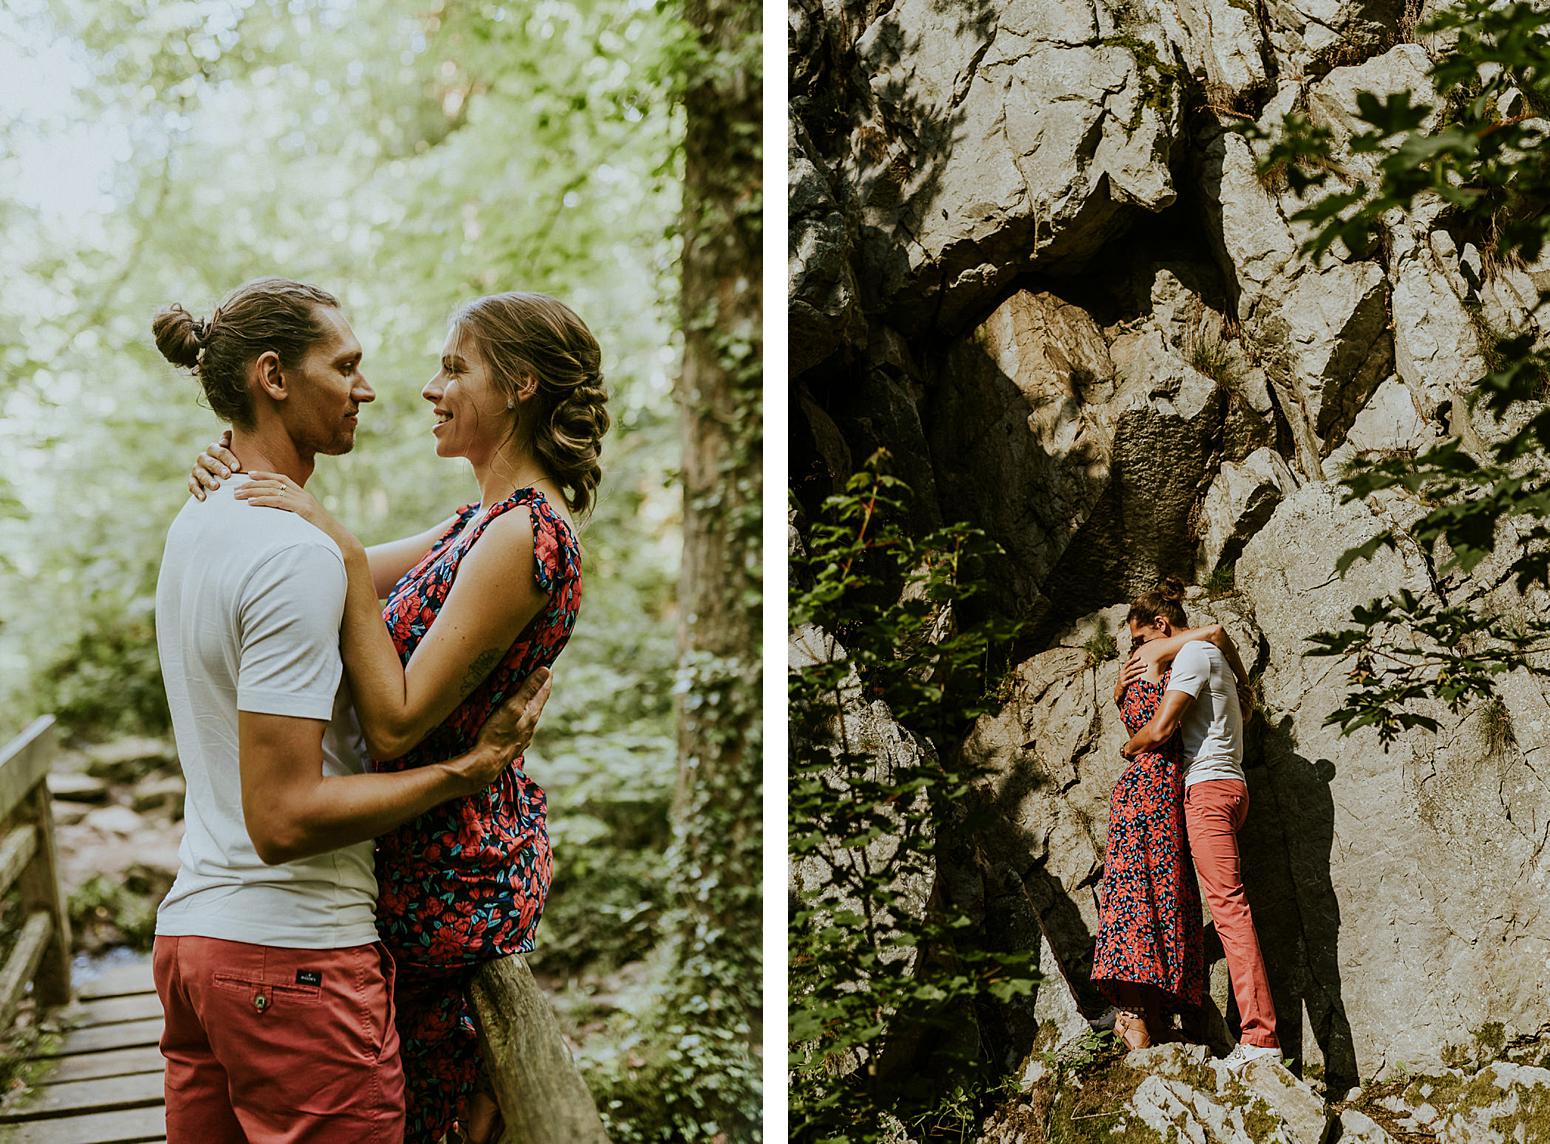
{"points": [[716, 866], [541, 1095]]}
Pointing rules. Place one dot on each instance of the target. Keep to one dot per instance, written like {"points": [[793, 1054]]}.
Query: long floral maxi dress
{"points": [[1149, 925], [466, 882]]}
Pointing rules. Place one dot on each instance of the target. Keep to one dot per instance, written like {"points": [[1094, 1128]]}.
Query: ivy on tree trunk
{"points": [[712, 999]]}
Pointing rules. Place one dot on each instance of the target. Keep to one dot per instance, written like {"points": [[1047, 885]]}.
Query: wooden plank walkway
{"points": [[104, 1085]]}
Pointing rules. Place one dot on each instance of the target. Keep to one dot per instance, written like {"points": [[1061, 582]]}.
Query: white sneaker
{"points": [[1241, 1055]]}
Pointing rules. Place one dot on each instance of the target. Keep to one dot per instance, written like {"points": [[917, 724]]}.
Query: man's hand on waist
{"points": [[506, 733]]}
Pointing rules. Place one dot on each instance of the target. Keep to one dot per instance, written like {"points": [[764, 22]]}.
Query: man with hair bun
{"points": [[439, 629], [1202, 704], [277, 991]]}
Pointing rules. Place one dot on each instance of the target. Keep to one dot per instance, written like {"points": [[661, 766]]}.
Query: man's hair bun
{"points": [[179, 336]]}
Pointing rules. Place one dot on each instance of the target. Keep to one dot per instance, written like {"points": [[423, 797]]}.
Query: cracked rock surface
{"points": [[1030, 258], [1173, 1094]]}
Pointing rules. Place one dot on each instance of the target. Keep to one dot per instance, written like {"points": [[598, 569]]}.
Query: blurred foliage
{"points": [[1481, 165], [106, 911], [406, 156], [883, 965]]}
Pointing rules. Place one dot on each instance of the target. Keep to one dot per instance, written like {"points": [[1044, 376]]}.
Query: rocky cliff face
{"points": [[1028, 256]]}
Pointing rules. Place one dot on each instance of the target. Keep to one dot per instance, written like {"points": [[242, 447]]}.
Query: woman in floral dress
{"points": [[473, 606], [1149, 959]]}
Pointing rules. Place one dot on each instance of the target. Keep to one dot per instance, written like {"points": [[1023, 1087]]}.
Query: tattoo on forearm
{"points": [[483, 664]]}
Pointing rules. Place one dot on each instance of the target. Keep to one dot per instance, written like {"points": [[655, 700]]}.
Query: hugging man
{"points": [[277, 993], [1202, 705]]}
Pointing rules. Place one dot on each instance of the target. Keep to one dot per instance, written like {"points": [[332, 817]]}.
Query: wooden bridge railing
{"points": [[29, 862]]}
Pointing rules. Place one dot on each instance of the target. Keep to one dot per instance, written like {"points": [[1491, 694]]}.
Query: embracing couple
{"points": [[360, 834], [1176, 812]]}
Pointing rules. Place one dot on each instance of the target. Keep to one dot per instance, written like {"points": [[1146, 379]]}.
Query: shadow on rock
{"points": [[1286, 846]]}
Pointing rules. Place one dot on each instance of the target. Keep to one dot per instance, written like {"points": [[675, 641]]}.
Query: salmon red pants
{"points": [[278, 1046], [1214, 812]]}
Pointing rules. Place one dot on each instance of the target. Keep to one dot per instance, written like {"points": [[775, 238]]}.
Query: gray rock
{"points": [[1320, 329], [1324, 906], [118, 820], [1022, 427], [1245, 223], [1390, 423], [1056, 1000], [1504, 1102], [162, 795], [1189, 1097], [1174, 1060], [70, 786], [70, 813], [1332, 101], [1177, 1110], [1333, 325], [1436, 348], [1052, 752], [1238, 503], [1220, 41], [1004, 138], [1359, 1128], [125, 760], [824, 298], [1308, 37], [1084, 459], [1303, 1117]]}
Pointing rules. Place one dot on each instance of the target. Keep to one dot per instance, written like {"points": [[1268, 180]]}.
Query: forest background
{"points": [[405, 156]]}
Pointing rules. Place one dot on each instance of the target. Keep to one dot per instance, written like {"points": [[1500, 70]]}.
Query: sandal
{"points": [[1130, 1027]]}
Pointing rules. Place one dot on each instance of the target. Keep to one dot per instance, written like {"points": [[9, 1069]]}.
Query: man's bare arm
{"points": [[1164, 722], [294, 811]]}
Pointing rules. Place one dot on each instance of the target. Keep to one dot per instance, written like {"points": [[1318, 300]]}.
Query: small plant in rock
{"points": [[1101, 646], [1221, 582], [1093, 1049], [1496, 345], [105, 911], [1208, 350]]}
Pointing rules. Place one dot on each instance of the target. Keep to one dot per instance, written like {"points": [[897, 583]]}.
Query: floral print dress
{"points": [[466, 882], [1149, 921]]}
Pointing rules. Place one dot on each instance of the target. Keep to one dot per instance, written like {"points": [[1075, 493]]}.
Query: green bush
{"points": [[107, 911], [901, 608]]}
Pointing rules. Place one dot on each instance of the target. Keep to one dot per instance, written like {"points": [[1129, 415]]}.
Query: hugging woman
{"points": [[1183, 696], [475, 610]]}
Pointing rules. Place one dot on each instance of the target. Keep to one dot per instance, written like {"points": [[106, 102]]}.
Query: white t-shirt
{"points": [[1212, 729], [248, 607]]}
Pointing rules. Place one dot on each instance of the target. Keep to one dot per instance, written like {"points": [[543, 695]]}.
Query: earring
{"points": [[510, 404]]}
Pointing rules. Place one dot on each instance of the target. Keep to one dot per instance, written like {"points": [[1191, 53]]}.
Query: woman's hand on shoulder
{"points": [[213, 466], [275, 490], [1136, 667]]}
